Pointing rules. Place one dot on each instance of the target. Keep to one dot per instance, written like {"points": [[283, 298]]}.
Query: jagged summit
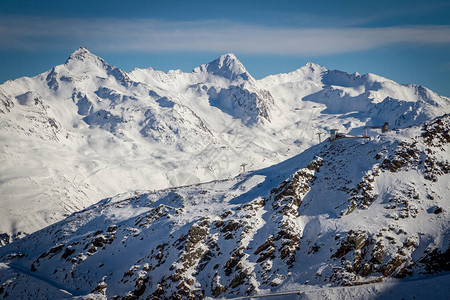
{"points": [[82, 54], [82, 61], [227, 66], [80, 51]]}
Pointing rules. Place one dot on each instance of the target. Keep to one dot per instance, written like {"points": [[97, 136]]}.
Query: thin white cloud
{"points": [[149, 35]]}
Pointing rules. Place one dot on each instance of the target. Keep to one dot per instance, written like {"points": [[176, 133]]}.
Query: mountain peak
{"points": [[229, 58], [310, 71], [81, 61], [314, 67], [81, 54], [227, 66], [227, 62], [84, 56]]}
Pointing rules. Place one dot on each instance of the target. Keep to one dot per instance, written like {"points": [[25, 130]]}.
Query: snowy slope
{"points": [[360, 213], [369, 99], [86, 130]]}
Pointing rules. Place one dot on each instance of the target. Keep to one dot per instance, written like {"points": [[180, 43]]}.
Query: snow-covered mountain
{"points": [[361, 213], [86, 130]]}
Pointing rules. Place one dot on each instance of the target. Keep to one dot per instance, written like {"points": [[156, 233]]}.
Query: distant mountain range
{"points": [[86, 130]]}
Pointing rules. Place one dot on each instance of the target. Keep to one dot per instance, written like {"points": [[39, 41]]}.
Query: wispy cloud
{"points": [[148, 35]]}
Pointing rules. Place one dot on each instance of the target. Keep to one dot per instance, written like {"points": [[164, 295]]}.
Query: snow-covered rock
{"points": [[226, 66], [86, 130], [360, 213]]}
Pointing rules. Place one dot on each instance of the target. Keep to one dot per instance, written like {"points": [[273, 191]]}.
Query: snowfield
{"points": [[359, 213], [86, 130], [216, 185]]}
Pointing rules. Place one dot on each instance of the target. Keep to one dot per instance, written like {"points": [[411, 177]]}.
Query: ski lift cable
{"points": [[307, 125]]}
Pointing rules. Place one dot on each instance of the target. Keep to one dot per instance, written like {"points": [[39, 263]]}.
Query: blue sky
{"points": [[407, 41]]}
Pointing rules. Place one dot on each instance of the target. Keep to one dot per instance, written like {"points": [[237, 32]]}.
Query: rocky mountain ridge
{"points": [[352, 212], [86, 130]]}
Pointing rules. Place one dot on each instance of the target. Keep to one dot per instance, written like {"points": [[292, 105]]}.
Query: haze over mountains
{"points": [[86, 130]]}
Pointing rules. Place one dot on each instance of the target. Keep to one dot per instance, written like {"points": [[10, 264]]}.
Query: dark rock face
{"points": [[436, 261]]}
